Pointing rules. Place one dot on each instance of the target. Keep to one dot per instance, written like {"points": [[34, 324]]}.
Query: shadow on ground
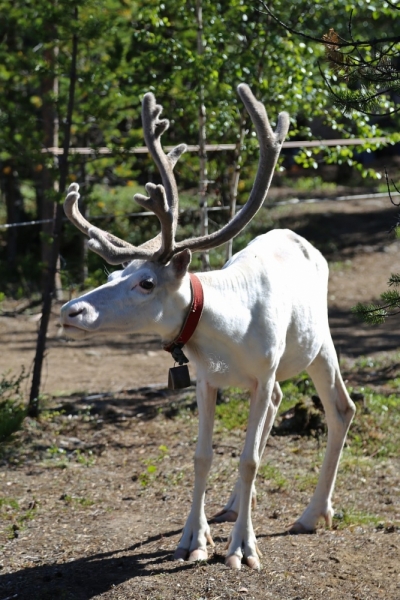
{"points": [[89, 576], [363, 339], [344, 233]]}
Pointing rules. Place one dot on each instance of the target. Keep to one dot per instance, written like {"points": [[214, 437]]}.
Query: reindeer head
{"points": [[156, 268]]}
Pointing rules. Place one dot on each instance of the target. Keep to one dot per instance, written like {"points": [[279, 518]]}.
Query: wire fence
{"points": [[214, 148], [221, 208], [222, 147]]}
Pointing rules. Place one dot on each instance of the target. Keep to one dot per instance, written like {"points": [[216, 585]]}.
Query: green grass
{"points": [[233, 412], [375, 430], [345, 519], [60, 458], [77, 501], [12, 411], [306, 482], [12, 415], [395, 384], [351, 462], [14, 517], [151, 472], [295, 390], [310, 184], [273, 476], [340, 265]]}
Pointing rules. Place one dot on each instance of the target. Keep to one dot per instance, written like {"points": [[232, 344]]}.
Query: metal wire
{"points": [[222, 208]]}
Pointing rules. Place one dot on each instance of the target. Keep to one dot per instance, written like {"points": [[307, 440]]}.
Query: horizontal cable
{"points": [[221, 147], [219, 208]]}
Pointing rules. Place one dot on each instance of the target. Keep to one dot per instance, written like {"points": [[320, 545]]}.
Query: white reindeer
{"points": [[264, 320]]}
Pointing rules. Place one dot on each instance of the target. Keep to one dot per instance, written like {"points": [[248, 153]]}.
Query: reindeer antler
{"points": [[163, 199], [270, 147]]}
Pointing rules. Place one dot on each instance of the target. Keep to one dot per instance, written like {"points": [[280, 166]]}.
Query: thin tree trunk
{"points": [[33, 408], [49, 187], [202, 141], [13, 202], [239, 154], [237, 162], [83, 240]]}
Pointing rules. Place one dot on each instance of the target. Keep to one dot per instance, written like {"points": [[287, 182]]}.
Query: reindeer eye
{"points": [[147, 284]]}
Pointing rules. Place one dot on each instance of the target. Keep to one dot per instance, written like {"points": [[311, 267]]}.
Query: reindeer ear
{"points": [[180, 262]]}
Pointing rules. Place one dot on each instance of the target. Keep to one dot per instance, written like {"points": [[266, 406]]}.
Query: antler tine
{"points": [[72, 211], [153, 128], [157, 202], [162, 200], [111, 248], [270, 146]]}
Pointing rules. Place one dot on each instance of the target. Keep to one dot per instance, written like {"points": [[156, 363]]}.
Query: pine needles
{"points": [[375, 314], [370, 74]]}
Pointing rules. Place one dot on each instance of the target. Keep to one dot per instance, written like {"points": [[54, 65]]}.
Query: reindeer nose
{"points": [[75, 312], [71, 310]]}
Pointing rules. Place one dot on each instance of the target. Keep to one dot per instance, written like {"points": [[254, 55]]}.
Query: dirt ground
{"points": [[98, 490]]}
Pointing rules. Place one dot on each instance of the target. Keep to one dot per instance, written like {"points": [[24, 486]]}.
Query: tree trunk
{"points": [[83, 240], [48, 184], [205, 257], [33, 408], [235, 178], [13, 200]]}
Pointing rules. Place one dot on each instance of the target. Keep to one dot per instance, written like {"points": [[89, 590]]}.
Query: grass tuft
{"points": [[12, 411]]}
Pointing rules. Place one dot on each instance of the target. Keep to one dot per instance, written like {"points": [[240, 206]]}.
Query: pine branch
{"points": [[370, 313], [342, 43], [376, 314], [394, 279]]}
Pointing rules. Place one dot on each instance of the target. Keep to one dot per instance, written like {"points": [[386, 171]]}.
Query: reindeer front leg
{"points": [[196, 532], [231, 509], [242, 542]]}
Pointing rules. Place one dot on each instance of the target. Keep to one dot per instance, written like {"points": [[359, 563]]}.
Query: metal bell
{"points": [[178, 378]]}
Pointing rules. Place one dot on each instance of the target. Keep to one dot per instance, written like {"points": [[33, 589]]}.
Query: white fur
{"points": [[264, 320]]}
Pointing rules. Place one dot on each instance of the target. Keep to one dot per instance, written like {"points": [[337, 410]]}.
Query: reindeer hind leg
{"points": [[339, 412]]}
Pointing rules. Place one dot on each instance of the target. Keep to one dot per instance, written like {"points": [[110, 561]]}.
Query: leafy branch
{"points": [[375, 314], [368, 67]]}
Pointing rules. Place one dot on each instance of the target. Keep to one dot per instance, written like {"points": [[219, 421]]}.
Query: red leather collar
{"points": [[193, 316]]}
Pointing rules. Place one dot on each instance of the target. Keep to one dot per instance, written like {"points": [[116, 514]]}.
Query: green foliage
{"points": [[12, 411], [127, 49], [361, 46], [375, 314]]}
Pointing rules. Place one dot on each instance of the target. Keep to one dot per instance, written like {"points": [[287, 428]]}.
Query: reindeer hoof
{"points": [[233, 562], [180, 554], [224, 516], [198, 554], [298, 528], [253, 563]]}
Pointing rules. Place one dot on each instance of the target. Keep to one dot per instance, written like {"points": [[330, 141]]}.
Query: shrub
{"points": [[12, 411]]}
